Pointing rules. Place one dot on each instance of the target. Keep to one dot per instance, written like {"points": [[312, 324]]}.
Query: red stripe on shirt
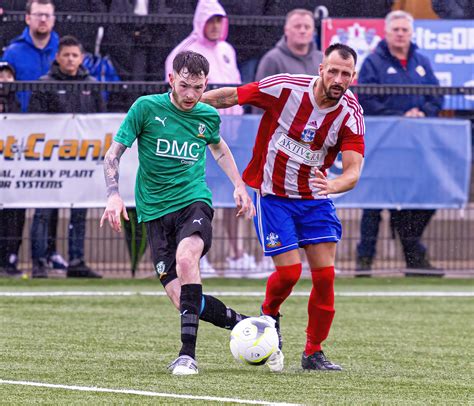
{"points": [[253, 173], [303, 182], [279, 174]]}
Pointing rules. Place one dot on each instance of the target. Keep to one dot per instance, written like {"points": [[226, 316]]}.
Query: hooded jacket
{"points": [[30, 62], [281, 60], [64, 101], [220, 54], [381, 67]]}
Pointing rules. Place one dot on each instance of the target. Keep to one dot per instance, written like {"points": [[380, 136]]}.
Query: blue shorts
{"points": [[284, 224]]}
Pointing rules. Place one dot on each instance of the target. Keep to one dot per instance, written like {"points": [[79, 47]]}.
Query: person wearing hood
{"points": [[208, 38], [32, 53], [296, 51], [397, 61], [66, 67]]}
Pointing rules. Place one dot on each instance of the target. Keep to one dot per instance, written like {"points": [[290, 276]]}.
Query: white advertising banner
{"points": [[57, 160]]}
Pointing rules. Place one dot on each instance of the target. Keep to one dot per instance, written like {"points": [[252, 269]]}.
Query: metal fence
{"points": [[449, 238]]}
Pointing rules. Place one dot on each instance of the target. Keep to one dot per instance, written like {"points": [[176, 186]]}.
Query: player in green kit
{"points": [[172, 197]]}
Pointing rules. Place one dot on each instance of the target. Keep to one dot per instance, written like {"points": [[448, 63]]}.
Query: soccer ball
{"points": [[254, 340]]}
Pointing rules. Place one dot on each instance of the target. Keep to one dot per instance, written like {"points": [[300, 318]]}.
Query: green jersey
{"points": [[171, 153]]}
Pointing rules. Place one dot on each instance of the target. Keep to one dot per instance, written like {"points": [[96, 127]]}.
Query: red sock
{"points": [[279, 286], [320, 308]]}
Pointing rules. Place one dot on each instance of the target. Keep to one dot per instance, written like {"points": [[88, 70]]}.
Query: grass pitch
{"points": [[394, 350]]}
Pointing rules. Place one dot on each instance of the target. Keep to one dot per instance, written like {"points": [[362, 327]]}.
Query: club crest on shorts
{"points": [[273, 240], [308, 134], [201, 130], [160, 269]]}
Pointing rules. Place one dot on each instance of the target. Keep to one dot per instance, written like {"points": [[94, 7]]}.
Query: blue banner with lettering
{"points": [[449, 44], [409, 163]]}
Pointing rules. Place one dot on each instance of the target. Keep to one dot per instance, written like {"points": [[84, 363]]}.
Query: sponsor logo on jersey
{"points": [[273, 240], [391, 70], [201, 130], [160, 269], [172, 149], [299, 152]]}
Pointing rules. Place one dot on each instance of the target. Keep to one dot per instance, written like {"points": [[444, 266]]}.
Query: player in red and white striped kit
{"points": [[307, 121]]}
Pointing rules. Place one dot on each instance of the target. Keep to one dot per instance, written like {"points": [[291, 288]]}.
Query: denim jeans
{"points": [[76, 233]]}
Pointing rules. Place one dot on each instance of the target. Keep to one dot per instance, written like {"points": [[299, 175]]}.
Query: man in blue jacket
{"points": [[397, 61], [32, 53]]}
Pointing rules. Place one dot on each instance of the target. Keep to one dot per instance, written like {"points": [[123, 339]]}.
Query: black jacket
{"points": [[64, 101], [9, 102]]}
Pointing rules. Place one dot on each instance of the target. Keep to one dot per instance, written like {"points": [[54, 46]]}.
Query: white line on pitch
{"points": [[143, 393], [237, 294]]}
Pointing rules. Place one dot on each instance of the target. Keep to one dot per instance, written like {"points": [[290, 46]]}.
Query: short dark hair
{"points": [[29, 3], [4, 65], [195, 63], [70, 41], [344, 51]]}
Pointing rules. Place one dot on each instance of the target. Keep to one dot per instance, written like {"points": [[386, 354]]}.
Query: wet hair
{"points": [[344, 51], [69, 41], [29, 3], [195, 64]]}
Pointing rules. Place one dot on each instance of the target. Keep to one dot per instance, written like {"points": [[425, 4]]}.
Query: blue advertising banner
{"points": [[449, 44], [409, 163]]}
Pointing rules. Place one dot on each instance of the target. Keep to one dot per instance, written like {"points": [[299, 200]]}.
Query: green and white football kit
{"points": [[172, 153]]}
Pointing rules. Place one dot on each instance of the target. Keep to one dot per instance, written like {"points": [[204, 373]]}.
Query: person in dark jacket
{"points": [[11, 220], [397, 61], [66, 67]]}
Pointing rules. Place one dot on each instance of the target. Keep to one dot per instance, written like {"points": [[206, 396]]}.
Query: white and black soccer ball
{"points": [[254, 340]]}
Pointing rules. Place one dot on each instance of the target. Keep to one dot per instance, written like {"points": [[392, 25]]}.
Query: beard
{"points": [[329, 91], [42, 33]]}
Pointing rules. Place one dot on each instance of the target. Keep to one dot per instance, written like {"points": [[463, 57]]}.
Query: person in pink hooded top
{"points": [[208, 38]]}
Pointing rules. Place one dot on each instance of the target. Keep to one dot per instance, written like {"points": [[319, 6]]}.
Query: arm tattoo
{"points": [[111, 167]]}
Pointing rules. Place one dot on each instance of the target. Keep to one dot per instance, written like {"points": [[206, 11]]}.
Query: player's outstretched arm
{"points": [[115, 206], [221, 98], [223, 156], [351, 166]]}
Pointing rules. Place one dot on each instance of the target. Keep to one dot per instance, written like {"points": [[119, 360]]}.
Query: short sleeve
{"points": [[132, 124]]}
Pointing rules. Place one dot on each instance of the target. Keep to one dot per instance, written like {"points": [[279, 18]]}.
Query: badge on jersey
{"points": [[160, 269], [201, 130], [273, 240], [308, 135]]}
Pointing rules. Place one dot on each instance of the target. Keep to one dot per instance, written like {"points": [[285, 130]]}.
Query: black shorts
{"points": [[165, 233]]}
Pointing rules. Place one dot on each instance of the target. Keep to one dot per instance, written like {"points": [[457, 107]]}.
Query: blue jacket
{"points": [[30, 63], [383, 68]]}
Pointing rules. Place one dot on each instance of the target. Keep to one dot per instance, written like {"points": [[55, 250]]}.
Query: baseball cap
{"points": [[4, 65]]}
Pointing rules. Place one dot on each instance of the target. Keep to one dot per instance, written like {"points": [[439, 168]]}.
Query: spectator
{"points": [[66, 67], [32, 53], [396, 60], [11, 220], [296, 51], [209, 39]]}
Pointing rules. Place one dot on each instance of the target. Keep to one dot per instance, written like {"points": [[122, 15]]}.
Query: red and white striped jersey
{"points": [[295, 135]]}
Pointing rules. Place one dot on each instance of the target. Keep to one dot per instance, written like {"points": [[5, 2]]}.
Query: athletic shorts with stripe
{"points": [[284, 224], [165, 233]]}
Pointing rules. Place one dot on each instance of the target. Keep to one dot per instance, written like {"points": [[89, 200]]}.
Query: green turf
{"points": [[395, 350]]}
